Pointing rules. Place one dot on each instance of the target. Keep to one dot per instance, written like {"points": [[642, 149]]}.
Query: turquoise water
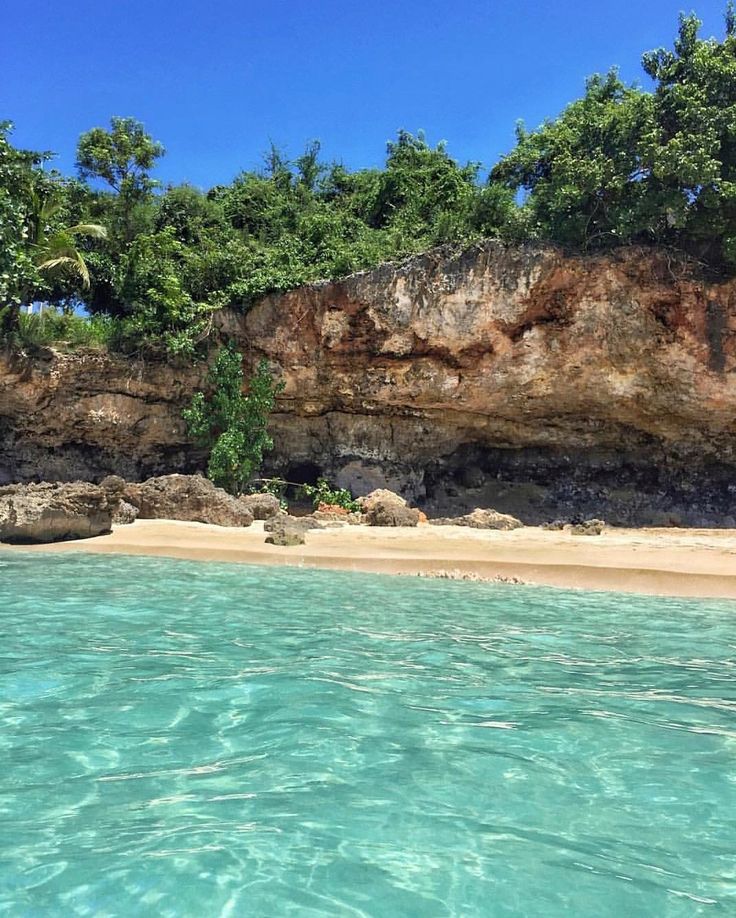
{"points": [[199, 739]]}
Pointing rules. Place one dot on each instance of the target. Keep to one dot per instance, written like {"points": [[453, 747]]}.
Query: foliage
{"points": [[58, 252], [122, 156], [275, 486], [40, 251], [324, 493], [163, 315], [66, 330], [583, 170], [18, 273], [620, 165], [233, 425]]}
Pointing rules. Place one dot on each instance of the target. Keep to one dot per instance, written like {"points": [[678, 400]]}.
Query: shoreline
{"points": [[666, 562]]}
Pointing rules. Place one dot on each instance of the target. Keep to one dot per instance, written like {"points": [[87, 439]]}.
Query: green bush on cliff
{"points": [[230, 424]]}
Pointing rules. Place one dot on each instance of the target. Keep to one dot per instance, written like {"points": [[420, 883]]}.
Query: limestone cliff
{"points": [[522, 379]]}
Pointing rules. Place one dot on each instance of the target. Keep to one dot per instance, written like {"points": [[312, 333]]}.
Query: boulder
{"points": [[125, 514], [554, 525], [287, 536], [385, 508], [187, 497], [481, 519], [114, 485], [331, 513], [588, 527], [262, 506], [56, 512], [284, 521]]}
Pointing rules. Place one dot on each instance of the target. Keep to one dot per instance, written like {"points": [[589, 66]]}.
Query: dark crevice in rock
{"points": [[716, 322]]}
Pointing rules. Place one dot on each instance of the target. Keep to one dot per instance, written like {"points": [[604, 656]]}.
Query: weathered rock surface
{"points": [[588, 528], [282, 521], [55, 512], [334, 514], [516, 378], [125, 514], [287, 536], [261, 506], [187, 497], [481, 519], [385, 508]]}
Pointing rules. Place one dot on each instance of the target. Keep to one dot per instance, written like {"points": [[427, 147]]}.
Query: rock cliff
{"points": [[519, 378]]}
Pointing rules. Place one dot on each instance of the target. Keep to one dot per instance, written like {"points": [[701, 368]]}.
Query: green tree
{"points": [[18, 272], [583, 171], [162, 316], [622, 165], [424, 196], [230, 424], [41, 253], [123, 158], [691, 152]]}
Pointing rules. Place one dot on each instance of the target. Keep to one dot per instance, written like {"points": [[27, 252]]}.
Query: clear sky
{"points": [[216, 80]]}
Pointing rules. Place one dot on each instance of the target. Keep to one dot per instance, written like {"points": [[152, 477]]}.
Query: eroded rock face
{"points": [[125, 514], [588, 528], [187, 497], [481, 519], [262, 506], [384, 508], [287, 536], [516, 378], [55, 512]]}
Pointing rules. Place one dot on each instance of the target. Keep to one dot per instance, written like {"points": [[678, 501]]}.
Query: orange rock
{"points": [[332, 508]]}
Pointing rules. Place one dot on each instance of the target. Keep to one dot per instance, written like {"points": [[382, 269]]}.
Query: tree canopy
{"points": [[621, 165]]}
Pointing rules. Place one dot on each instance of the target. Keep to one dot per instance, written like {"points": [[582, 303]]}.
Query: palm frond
{"points": [[70, 259], [94, 230]]}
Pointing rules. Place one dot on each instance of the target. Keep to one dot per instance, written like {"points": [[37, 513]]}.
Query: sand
{"points": [[670, 562]]}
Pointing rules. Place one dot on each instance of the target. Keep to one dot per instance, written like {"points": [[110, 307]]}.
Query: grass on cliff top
{"points": [[67, 331]]}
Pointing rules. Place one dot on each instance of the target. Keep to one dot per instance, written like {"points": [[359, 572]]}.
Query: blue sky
{"points": [[216, 81]]}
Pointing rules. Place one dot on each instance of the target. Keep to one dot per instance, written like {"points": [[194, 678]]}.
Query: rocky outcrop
{"points": [[588, 528], [481, 519], [303, 523], [384, 508], [580, 527], [261, 506], [56, 512], [125, 514], [287, 536], [187, 497], [522, 379]]}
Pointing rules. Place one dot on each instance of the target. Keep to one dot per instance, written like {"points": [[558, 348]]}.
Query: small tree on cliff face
{"points": [[230, 424]]}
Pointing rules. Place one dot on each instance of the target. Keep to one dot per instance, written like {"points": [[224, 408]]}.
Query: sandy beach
{"points": [[670, 562]]}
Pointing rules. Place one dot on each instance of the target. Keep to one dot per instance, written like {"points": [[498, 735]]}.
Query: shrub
{"points": [[233, 426], [52, 327], [324, 493]]}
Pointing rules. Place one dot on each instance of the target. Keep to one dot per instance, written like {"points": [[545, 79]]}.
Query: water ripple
{"points": [[182, 739]]}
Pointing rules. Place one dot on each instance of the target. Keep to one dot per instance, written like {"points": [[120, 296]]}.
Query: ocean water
{"points": [[181, 739]]}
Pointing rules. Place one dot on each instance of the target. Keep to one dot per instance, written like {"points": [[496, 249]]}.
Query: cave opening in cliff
{"points": [[300, 473]]}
